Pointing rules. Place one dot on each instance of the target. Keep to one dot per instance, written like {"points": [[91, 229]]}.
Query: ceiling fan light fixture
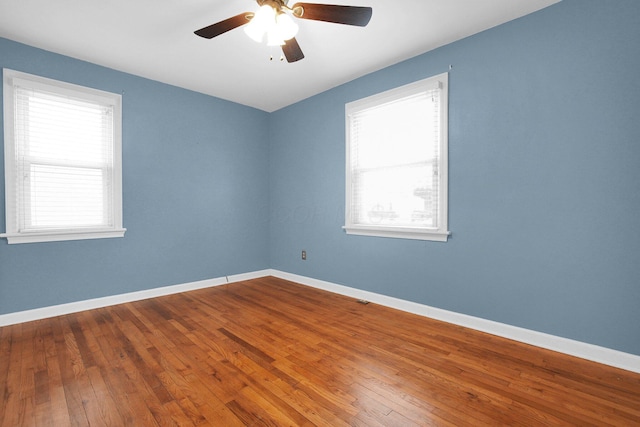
{"points": [[277, 25], [273, 18]]}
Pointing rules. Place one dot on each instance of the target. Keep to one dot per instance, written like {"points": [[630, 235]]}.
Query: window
{"points": [[63, 174], [397, 162]]}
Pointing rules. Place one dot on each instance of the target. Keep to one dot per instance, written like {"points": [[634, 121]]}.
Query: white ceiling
{"points": [[154, 39]]}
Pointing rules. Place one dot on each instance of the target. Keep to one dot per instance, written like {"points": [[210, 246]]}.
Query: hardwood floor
{"points": [[268, 352]]}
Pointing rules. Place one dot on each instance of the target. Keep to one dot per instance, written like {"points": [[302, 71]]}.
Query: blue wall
{"points": [[194, 194], [544, 164]]}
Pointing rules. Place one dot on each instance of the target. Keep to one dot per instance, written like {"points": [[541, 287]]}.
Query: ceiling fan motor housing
{"points": [[279, 5], [276, 4]]}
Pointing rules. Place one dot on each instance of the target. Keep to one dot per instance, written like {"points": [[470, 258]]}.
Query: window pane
{"points": [[62, 129], [395, 146], [397, 133], [65, 197], [397, 196]]}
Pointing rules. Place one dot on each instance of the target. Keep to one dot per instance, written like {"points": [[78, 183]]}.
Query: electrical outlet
{"points": [[304, 255]]}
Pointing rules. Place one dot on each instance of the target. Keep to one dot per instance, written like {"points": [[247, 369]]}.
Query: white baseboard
{"points": [[74, 307], [579, 349]]}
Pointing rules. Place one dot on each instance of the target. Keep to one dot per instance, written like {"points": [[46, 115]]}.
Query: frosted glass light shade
{"points": [[286, 27], [274, 38], [263, 20]]}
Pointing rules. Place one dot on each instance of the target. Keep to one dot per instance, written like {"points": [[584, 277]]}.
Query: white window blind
{"points": [[396, 162], [62, 161]]}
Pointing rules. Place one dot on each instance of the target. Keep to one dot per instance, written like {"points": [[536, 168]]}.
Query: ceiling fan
{"points": [[273, 21]]}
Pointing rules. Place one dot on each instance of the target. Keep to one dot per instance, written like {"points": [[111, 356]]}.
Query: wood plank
{"points": [[11, 400]]}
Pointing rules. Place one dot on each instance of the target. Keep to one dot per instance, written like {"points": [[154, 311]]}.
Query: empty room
{"points": [[353, 213]]}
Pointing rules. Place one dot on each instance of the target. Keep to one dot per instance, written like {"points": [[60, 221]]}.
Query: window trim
{"points": [[439, 234], [13, 233]]}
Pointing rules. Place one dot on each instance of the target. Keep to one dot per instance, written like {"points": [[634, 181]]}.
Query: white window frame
{"points": [[439, 233], [14, 214]]}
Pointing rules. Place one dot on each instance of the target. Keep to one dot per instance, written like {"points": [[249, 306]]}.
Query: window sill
{"points": [[62, 235], [399, 233]]}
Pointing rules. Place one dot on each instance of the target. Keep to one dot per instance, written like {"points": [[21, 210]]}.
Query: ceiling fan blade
{"points": [[292, 51], [223, 26], [349, 15]]}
